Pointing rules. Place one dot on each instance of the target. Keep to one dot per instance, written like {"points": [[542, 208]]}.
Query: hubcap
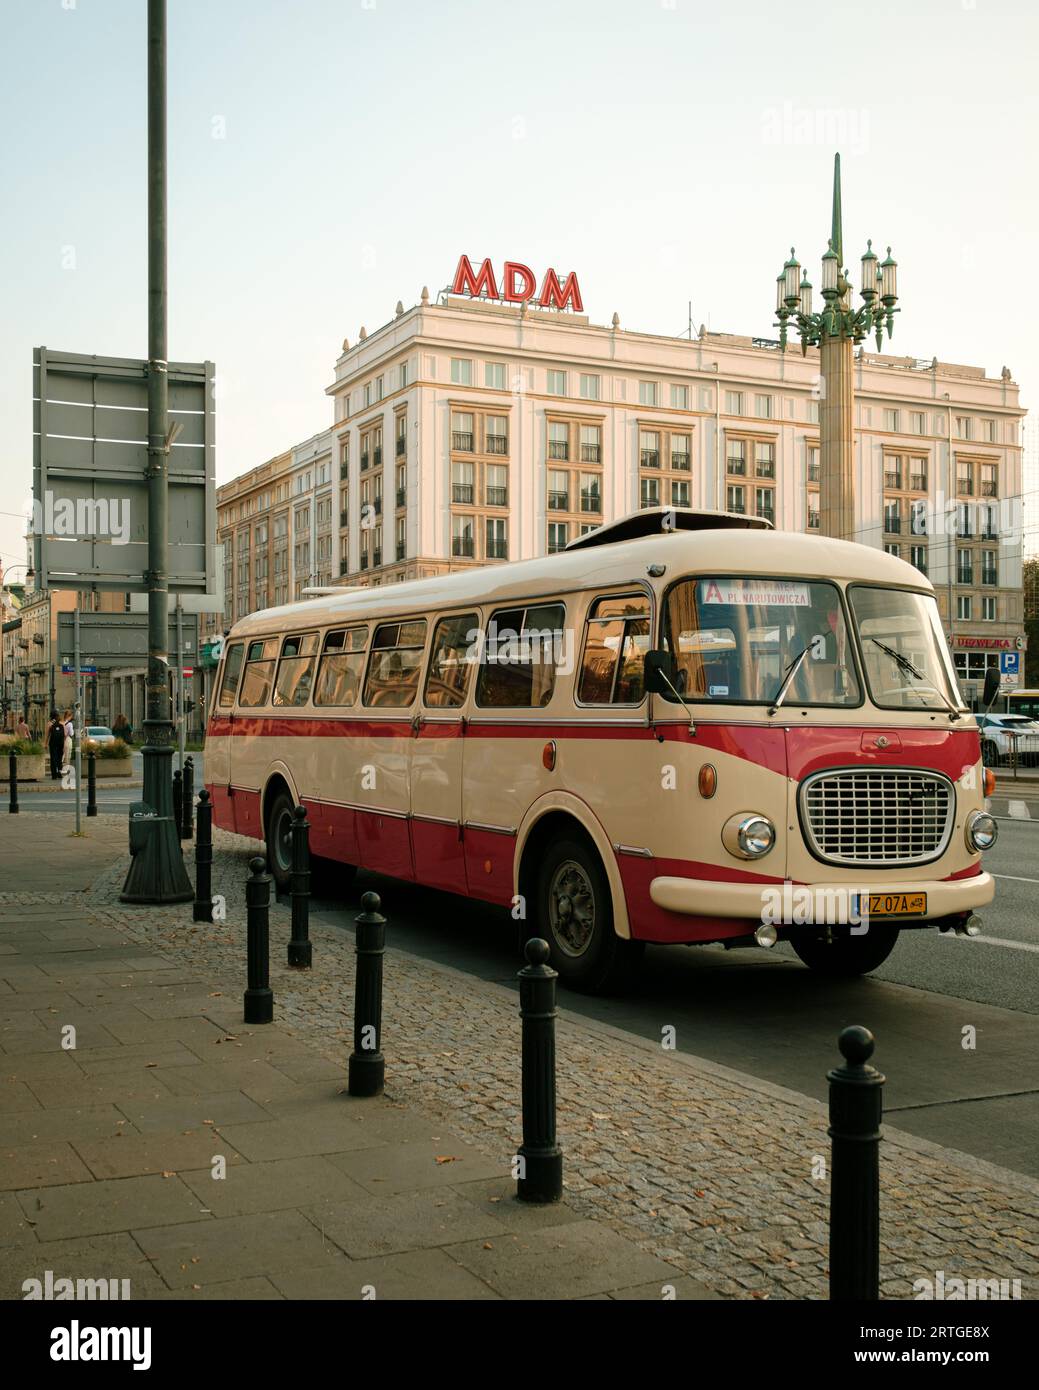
{"points": [[283, 840], [571, 908]]}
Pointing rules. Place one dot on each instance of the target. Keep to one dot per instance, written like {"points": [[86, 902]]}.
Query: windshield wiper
{"points": [[904, 664], [788, 676]]}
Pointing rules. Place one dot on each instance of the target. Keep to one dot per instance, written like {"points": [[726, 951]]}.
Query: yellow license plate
{"points": [[897, 904]]}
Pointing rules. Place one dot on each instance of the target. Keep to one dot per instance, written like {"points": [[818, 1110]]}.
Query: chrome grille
{"points": [[877, 816]]}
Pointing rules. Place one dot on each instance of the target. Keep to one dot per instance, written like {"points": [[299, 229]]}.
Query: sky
{"points": [[329, 157]]}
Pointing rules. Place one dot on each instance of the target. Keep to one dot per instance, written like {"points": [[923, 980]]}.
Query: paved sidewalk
{"points": [[708, 1174], [112, 1153]]}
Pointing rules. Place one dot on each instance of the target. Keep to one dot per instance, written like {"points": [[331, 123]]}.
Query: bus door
{"points": [[248, 747], [219, 733], [438, 732]]}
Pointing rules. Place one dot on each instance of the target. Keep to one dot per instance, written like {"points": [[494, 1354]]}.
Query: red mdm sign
{"points": [[518, 285]]}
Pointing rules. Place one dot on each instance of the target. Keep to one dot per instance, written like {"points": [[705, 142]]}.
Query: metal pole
{"points": [[300, 946], [540, 1176], [366, 1072], [157, 873], [856, 1103], [91, 784], [203, 907], [259, 1001], [180, 684], [12, 772], [76, 725]]}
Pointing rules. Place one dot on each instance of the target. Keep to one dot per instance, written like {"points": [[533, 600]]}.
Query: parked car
{"points": [[97, 733], [1000, 733]]}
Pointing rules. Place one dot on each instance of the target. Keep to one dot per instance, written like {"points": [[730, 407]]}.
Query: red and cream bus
{"points": [[646, 737]]}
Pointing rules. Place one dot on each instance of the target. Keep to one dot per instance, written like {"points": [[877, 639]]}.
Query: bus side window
{"points": [[229, 676], [296, 669], [394, 664], [259, 669], [523, 646], [450, 662], [342, 662], [615, 643]]}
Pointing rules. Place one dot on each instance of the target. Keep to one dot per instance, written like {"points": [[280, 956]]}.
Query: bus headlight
{"points": [[749, 835], [981, 830]]}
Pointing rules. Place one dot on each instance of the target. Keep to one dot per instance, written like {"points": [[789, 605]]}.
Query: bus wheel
{"points": [[278, 831], [575, 912], [845, 955]]}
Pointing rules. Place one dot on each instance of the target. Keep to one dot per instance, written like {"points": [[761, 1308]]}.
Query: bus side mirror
{"points": [[991, 687], [659, 663]]}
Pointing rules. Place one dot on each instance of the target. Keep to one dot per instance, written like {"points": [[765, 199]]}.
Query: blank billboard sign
{"points": [[90, 485]]}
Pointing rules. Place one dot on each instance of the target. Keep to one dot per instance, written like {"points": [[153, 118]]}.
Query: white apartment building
{"points": [[469, 431]]}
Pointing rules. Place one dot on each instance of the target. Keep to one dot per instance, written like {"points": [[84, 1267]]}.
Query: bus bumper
{"points": [[702, 897]]}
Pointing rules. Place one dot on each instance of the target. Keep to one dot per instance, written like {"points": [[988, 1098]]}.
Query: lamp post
{"points": [[833, 330]]}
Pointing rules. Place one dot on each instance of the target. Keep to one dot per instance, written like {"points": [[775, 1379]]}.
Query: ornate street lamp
{"points": [[833, 330]]}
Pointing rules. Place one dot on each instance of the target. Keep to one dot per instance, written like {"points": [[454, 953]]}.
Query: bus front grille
{"points": [[877, 816]]}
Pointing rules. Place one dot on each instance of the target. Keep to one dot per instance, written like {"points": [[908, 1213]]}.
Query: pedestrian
{"points": [[23, 729], [55, 743], [120, 727], [69, 730]]}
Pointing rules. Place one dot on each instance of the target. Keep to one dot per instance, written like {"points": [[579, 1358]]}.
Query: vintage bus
{"points": [[646, 737]]}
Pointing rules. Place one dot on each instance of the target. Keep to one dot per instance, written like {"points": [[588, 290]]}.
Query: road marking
{"points": [[995, 941], [1016, 878], [1018, 810]]}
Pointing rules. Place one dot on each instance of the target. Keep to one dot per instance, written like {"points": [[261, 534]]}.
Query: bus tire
{"points": [[575, 917], [845, 955], [278, 836]]}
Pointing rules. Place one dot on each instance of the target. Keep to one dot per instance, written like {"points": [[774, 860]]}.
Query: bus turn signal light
{"points": [[548, 755], [990, 781], [707, 781]]}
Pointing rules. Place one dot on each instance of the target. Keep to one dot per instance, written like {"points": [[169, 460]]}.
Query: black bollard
{"points": [[856, 1104], [91, 783], [259, 1001], [12, 772], [178, 801], [203, 908], [367, 1064], [300, 947], [540, 1176], [188, 798]]}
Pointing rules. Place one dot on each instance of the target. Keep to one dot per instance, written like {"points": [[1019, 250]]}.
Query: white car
{"points": [[1001, 734], [97, 733]]}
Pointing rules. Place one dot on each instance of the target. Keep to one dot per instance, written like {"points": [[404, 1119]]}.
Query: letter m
{"points": [[557, 296], [468, 283]]}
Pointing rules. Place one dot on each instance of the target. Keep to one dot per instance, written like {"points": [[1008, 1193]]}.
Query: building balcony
{"points": [[920, 564], [462, 493], [462, 441], [377, 458], [918, 482], [37, 638], [377, 504], [558, 449], [736, 467], [558, 501], [497, 444], [965, 487], [344, 567], [680, 460], [988, 489], [965, 574], [813, 521], [365, 461], [645, 502], [497, 497], [591, 502], [462, 545], [649, 458], [893, 524], [344, 518], [813, 472], [766, 514], [402, 497], [402, 550], [893, 480], [497, 550], [364, 561], [402, 444], [989, 576], [591, 453], [376, 559], [764, 469], [737, 508]]}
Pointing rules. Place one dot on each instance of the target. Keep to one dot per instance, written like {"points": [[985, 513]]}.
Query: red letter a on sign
{"points": [[555, 295], [511, 292], [468, 283]]}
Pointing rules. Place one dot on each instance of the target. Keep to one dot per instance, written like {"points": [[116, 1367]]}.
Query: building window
{"points": [[735, 498], [497, 539], [988, 431], [813, 412], [988, 608], [764, 459], [379, 384], [403, 374], [494, 375], [402, 435], [591, 496], [649, 448], [919, 422], [496, 484], [893, 471], [734, 402], [965, 479], [763, 407], [813, 463], [679, 492], [736, 456], [963, 426], [813, 511], [989, 480], [989, 567], [462, 484], [892, 517], [497, 433], [402, 538], [558, 440], [556, 383], [367, 393], [462, 543], [462, 431], [590, 386], [765, 503], [558, 535], [591, 444], [558, 491], [892, 548], [918, 557], [918, 475], [647, 393], [461, 371], [679, 397], [965, 608], [649, 492], [891, 421], [964, 567], [680, 452]]}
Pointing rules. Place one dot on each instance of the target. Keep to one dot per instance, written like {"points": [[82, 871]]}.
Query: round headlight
{"points": [[981, 830], [756, 836]]}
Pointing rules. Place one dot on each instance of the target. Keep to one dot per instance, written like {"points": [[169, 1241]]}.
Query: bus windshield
{"points": [[907, 659], [734, 640]]}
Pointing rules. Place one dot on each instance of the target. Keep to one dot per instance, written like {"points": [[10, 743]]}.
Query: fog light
{"points": [[756, 836], [766, 935], [981, 830]]}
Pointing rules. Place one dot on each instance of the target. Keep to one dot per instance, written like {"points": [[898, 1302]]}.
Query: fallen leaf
{"points": [[168, 1173], [487, 1245], [447, 1158]]}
